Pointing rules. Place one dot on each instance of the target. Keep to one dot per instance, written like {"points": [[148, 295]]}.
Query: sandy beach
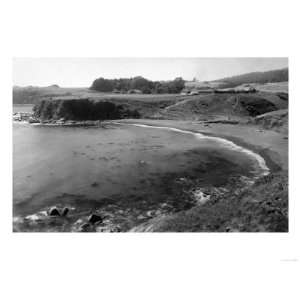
{"points": [[176, 172], [272, 145], [258, 207]]}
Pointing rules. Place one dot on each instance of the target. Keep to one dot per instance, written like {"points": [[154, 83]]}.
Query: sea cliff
{"points": [[81, 110]]}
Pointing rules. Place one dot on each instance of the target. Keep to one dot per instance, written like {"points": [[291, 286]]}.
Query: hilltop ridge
{"points": [[279, 75]]}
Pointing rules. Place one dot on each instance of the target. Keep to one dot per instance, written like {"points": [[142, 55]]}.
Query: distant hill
{"points": [[272, 87], [256, 77], [33, 95]]}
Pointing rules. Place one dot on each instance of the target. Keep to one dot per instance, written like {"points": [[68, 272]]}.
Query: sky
{"points": [[80, 72]]}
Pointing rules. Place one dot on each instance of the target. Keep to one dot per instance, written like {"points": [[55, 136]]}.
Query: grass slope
{"points": [[262, 207], [276, 120], [257, 77], [211, 105]]}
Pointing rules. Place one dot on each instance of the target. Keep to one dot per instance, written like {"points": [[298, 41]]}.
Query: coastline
{"points": [[271, 145], [264, 205], [235, 134]]}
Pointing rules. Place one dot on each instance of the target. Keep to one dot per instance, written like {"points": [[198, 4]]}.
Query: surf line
{"points": [[224, 142]]}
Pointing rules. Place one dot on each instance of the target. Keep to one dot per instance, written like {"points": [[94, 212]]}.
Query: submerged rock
{"points": [[150, 213], [95, 218], [86, 227], [65, 211], [109, 228], [165, 206], [200, 197]]}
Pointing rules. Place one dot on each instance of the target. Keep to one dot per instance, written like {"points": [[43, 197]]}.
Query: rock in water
{"points": [[94, 218], [108, 228], [53, 211], [86, 227], [65, 211]]}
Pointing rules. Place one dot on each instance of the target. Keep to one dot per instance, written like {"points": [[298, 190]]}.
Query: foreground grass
{"points": [[262, 207]]}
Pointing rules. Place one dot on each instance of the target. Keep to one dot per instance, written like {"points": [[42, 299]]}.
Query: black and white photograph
{"points": [[150, 144], [149, 150]]}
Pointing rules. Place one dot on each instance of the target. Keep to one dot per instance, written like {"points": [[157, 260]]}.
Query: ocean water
{"points": [[126, 170]]}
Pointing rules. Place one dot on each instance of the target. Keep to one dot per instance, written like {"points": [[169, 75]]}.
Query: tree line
{"points": [[125, 85]]}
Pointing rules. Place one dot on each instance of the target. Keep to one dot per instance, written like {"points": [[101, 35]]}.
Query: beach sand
{"points": [[261, 207], [162, 195], [272, 145]]}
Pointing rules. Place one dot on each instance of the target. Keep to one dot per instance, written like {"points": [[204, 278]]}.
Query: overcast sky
{"points": [[80, 72]]}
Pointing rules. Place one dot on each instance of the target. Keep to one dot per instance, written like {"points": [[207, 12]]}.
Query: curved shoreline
{"points": [[212, 217], [236, 143], [224, 142]]}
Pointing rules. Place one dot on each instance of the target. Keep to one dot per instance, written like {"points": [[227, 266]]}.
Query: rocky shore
{"points": [[115, 217], [61, 122], [261, 205], [74, 112], [242, 205]]}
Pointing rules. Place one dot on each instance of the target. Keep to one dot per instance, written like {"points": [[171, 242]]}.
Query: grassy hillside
{"points": [[167, 106], [146, 104], [273, 87], [262, 207], [276, 120], [232, 105], [257, 77], [32, 95]]}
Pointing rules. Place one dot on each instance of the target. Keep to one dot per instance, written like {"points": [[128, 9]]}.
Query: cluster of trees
{"points": [[124, 85], [81, 109]]}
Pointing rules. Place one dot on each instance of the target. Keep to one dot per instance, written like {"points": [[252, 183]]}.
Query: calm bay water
{"points": [[128, 166]]}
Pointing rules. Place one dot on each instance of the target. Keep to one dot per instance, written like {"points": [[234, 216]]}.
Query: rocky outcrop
{"points": [[53, 211], [80, 109], [95, 218], [65, 211], [57, 212]]}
